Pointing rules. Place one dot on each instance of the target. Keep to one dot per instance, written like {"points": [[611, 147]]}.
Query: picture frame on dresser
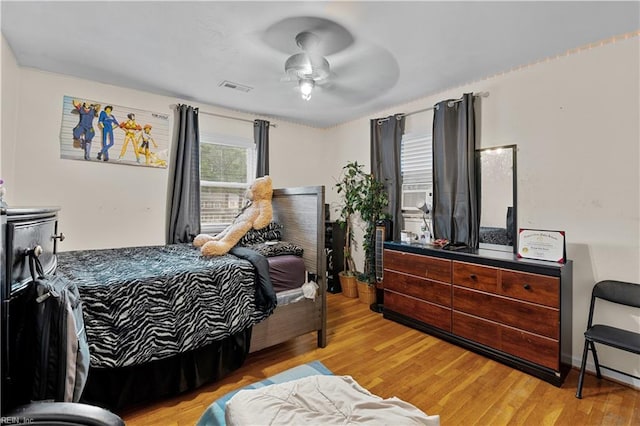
{"points": [[542, 244]]}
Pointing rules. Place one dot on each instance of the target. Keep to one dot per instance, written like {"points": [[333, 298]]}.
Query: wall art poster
{"points": [[103, 132]]}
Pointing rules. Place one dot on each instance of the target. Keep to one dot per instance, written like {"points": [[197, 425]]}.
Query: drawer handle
{"points": [[527, 287], [36, 251], [473, 277], [60, 237]]}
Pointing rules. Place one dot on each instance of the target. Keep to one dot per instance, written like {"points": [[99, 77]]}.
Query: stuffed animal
{"points": [[256, 214]]}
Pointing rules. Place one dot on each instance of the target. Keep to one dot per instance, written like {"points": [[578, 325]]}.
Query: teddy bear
{"points": [[256, 214]]}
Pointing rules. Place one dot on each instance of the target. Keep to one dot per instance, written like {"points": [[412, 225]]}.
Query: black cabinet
{"points": [[334, 250], [23, 230]]}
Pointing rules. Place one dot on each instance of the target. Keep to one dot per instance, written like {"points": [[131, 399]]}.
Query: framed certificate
{"points": [[542, 245]]}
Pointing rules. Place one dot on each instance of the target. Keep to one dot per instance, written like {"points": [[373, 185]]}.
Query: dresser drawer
{"points": [[417, 309], [531, 287], [473, 328], [533, 348], [26, 235], [421, 266], [475, 276], [410, 285], [523, 315]]}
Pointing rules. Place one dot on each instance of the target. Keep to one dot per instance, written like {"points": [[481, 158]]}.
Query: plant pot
{"points": [[348, 284], [366, 293]]}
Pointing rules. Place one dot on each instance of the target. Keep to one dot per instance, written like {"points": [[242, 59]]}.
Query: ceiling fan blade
{"points": [[343, 92], [356, 71]]}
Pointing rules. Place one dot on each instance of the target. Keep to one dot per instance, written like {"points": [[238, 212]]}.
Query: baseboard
{"points": [[607, 374]]}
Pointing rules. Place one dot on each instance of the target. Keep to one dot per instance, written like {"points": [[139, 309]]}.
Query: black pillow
{"points": [[271, 232], [277, 249]]}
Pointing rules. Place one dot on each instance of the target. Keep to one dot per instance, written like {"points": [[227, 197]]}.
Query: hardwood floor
{"points": [[390, 359]]}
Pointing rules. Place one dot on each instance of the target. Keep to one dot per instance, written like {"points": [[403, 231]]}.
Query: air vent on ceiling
{"points": [[235, 86]]}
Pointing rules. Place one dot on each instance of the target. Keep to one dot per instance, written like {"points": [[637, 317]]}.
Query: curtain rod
{"points": [[229, 117], [233, 118], [450, 103]]}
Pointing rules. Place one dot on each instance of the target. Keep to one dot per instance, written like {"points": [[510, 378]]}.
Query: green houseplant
{"points": [[371, 207], [350, 189]]}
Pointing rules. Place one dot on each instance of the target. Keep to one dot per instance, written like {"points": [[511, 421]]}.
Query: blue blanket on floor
{"points": [[214, 415]]}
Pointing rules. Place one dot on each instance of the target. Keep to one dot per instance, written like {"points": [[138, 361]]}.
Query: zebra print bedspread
{"points": [[147, 303]]}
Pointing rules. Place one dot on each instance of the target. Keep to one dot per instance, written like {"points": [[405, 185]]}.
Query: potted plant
{"points": [[350, 189], [371, 207]]}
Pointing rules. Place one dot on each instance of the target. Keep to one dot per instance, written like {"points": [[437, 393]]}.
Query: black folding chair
{"points": [[616, 292]]}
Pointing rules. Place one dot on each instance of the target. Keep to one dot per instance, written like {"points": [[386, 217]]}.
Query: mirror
{"points": [[497, 190]]}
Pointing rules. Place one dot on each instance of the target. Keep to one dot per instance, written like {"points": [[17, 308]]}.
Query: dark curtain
{"points": [[456, 211], [386, 138], [184, 208], [261, 138]]}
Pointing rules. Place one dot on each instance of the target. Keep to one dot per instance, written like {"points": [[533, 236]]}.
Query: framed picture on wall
{"points": [[542, 245], [99, 131]]}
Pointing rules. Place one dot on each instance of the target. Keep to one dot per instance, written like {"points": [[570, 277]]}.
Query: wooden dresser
{"points": [[512, 310]]}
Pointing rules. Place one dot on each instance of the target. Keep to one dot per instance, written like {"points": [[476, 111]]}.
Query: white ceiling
{"points": [[399, 51]]}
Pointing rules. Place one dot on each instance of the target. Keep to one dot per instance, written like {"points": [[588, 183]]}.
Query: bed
{"points": [[162, 322]]}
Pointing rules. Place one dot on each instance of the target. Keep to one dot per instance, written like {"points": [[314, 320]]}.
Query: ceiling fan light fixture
{"points": [[306, 87], [307, 41], [304, 65], [309, 66]]}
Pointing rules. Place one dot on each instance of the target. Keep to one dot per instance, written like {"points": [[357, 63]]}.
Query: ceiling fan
{"points": [[349, 78], [308, 67]]}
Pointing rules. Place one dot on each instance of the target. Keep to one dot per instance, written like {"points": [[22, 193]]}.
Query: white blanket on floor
{"points": [[321, 400]]}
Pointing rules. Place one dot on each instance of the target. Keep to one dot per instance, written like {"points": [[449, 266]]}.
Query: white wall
{"points": [[576, 122], [10, 77]]}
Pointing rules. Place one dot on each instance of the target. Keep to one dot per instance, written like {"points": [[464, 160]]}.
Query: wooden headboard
{"points": [[301, 211]]}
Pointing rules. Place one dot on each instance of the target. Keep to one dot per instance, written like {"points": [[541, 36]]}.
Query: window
{"points": [[227, 167], [416, 165]]}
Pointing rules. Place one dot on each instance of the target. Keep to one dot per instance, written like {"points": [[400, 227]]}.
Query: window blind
{"points": [[416, 159]]}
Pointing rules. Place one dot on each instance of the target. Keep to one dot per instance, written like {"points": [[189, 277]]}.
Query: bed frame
{"points": [[301, 212]]}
